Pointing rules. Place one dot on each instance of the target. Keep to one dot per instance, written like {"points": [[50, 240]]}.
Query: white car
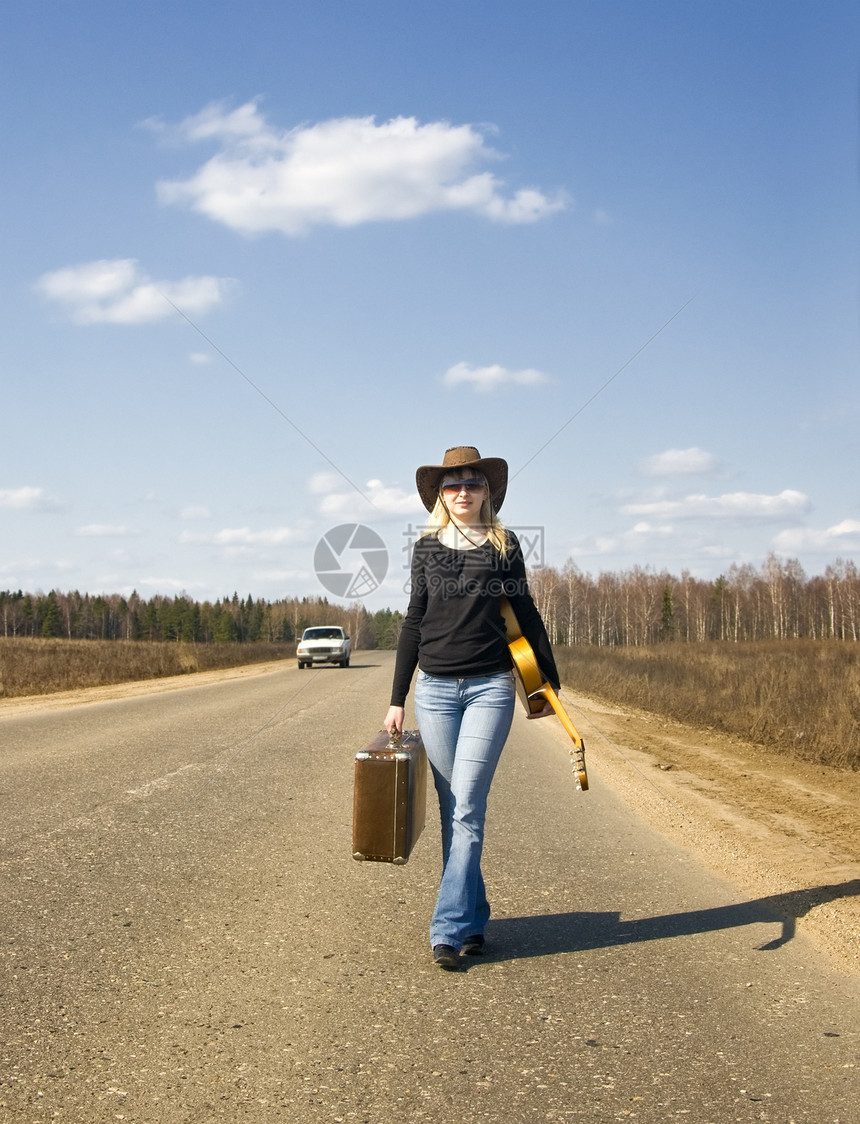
{"points": [[323, 644]]}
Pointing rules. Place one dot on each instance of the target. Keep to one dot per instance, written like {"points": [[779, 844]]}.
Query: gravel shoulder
{"points": [[778, 828]]}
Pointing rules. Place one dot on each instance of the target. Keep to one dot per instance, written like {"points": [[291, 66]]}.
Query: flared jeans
{"points": [[464, 724]]}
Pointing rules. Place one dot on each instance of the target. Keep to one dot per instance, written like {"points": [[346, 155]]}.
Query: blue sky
{"points": [[262, 260]]}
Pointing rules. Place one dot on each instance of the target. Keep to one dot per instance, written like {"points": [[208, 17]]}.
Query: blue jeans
{"points": [[464, 724]]}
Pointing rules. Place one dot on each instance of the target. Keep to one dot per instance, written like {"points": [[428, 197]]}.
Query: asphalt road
{"points": [[186, 937]]}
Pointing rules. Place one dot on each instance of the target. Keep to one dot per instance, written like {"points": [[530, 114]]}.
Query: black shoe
{"points": [[446, 956], [474, 945]]}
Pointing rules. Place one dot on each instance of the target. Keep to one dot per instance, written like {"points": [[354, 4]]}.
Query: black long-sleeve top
{"points": [[454, 625]]}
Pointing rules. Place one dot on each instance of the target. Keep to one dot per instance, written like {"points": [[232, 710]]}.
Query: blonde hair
{"points": [[440, 516]]}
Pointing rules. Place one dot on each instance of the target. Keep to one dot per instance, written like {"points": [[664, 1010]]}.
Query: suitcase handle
{"points": [[396, 738]]}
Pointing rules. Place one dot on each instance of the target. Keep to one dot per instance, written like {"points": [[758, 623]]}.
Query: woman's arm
{"points": [[533, 628], [410, 633]]}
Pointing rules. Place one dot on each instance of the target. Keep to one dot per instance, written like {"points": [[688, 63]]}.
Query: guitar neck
{"points": [[578, 751], [531, 687], [554, 701]]}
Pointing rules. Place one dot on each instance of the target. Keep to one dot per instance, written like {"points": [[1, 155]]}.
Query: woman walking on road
{"points": [[454, 633]]}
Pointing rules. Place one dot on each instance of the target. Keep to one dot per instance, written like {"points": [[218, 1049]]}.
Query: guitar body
{"points": [[527, 678], [534, 692]]}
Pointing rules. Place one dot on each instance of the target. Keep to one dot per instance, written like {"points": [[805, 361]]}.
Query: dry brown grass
{"points": [[40, 667], [801, 697]]}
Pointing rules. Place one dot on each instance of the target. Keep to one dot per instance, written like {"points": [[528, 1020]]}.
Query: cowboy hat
{"points": [[429, 476]]}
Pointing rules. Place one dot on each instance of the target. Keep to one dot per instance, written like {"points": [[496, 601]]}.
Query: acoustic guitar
{"points": [[534, 692]]}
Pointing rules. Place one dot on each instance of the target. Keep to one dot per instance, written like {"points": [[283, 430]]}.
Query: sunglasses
{"points": [[458, 486]]}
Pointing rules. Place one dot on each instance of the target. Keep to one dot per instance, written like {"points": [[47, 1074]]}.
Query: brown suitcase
{"points": [[389, 798]]}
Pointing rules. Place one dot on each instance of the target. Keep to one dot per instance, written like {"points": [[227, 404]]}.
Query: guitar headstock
{"points": [[577, 757]]}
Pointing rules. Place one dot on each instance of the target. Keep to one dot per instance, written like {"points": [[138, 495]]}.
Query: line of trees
{"points": [[641, 606], [632, 608], [78, 616]]}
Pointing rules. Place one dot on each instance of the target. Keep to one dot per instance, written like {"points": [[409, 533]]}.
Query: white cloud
{"points": [[680, 462], [630, 540], [846, 527], [323, 482], [650, 529], [488, 379], [844, 536], [242, 536], [342, 172], [102, 530], [27, 499], [197, 511], [163, 583], [200, 358], [663, 540], [120, 292], [734, 505], [282, 576], [386, 500]]}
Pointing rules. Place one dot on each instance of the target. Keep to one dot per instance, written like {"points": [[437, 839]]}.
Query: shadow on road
{"points": [[515, 938]]}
